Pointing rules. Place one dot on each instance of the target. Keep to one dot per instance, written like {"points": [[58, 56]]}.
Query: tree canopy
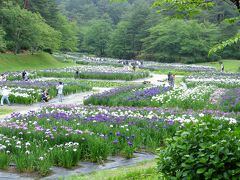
{"points": [[161, 30]]}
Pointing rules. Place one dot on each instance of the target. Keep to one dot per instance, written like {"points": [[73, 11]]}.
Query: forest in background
{"points": [[126, 30]]}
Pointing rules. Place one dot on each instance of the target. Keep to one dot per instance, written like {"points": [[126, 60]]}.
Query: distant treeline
{"points": [[129, 30]]}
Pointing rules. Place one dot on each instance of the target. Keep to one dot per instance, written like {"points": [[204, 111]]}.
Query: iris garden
{"points": [[131, 117]]}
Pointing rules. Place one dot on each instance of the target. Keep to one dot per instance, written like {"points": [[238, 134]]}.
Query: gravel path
{"points": [[155, 79], [71, 99]]}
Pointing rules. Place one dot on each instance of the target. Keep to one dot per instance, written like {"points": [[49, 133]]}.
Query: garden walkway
{"points": [[71, 99], [155, 79]]}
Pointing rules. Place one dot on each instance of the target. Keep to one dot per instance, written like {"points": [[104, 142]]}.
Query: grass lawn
{"points": [[141, 171], [11, 62], [4, 111], [230, 65]]}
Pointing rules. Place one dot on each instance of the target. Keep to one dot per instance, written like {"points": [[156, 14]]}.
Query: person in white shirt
{"points": [[59, 88], [5, 95]]}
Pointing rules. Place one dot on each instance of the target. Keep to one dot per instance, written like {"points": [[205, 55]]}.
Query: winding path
{"points": [[70, 99], [155, 79]]}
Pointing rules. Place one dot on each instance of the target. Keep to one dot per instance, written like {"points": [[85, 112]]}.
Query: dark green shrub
{"points": [[205, 150]]}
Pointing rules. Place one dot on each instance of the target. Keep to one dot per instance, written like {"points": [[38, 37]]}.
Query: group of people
{"points": [[136, 64], [5, 92], [45, 95]]}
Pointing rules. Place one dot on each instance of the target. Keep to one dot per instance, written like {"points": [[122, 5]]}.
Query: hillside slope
{"points": [[11, 62]]}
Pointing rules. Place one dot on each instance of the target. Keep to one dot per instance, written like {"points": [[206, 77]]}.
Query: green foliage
{"points": [[224, 44], [28, 30], [2, 41], [119, 43], [4, 160], [180, 41], [126, 39], [36, 25], [204, 150], [183, 7], [97, 37], [69, 41], [141, 171]]}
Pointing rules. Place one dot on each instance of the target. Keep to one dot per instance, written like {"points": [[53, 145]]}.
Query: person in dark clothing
{"points": [[134, 66], [76, 74], [45, 97], [24, 75], [169, 78]]}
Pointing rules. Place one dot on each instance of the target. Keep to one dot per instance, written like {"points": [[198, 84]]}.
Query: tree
{"points": [[119, 42], [136, 29], [189, 7], [98, 36], [46, 8], [69, 30], [2, 40], [179, 40], [27, 30]]}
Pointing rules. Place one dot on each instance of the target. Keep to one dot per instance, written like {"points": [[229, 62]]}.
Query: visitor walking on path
{"points": [[59, 88], [171, 79], [222, 67], [5, 95]]}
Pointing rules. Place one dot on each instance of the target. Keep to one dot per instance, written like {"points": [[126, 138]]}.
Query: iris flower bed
{"points": [[110, 97], [186, 98], [127, 96], [22, 95], [94, 72], [97, 83], [16, 76], [64, 135], [85, 72], [181, 97], [177, 67], [230, 101], [29, 92], [222, 80]]}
